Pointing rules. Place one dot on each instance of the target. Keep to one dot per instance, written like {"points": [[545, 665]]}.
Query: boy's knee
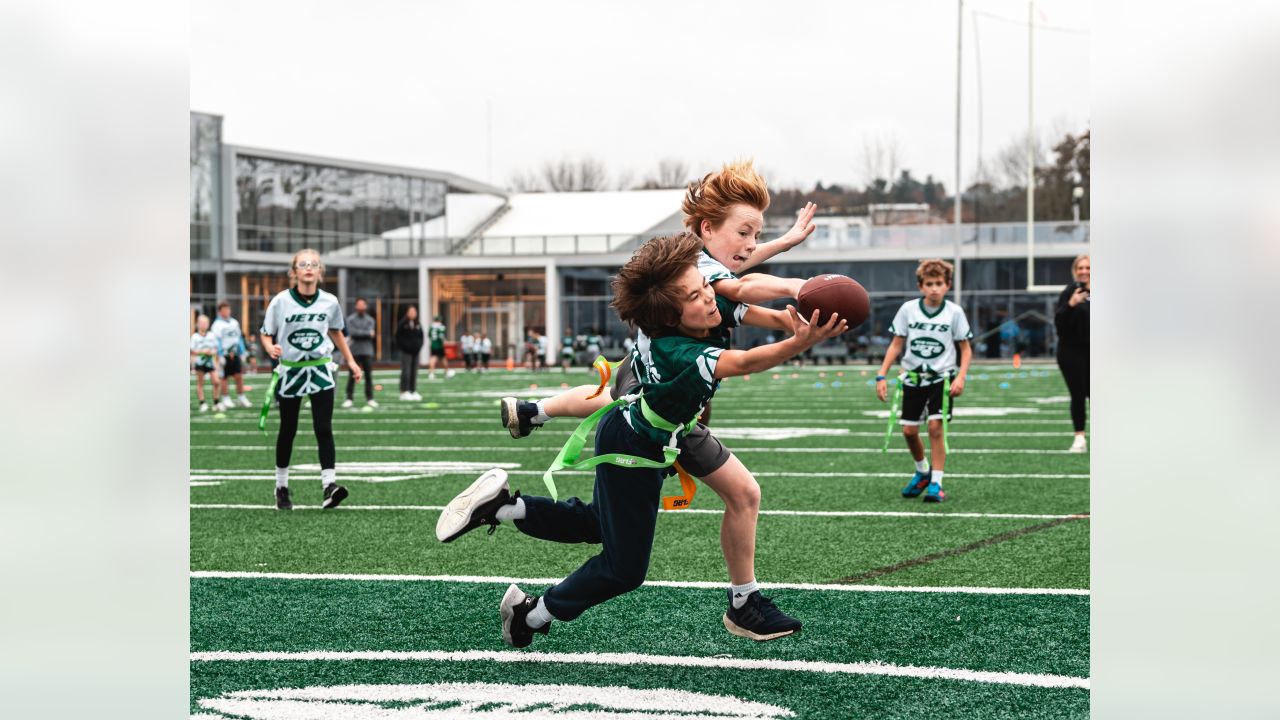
{"points": [[935, 429], [743, 496], [630, 579], [911, 430]]}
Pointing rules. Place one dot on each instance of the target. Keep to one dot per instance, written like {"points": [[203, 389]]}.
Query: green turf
{"points": [[1022, 633]]}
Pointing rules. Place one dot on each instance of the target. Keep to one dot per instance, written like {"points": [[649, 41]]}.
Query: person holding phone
{"points": [[1071, 318]]}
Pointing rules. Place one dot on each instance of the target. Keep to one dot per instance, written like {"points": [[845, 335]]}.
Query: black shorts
{"points": [[204, 368], [701, 453], [437, 351], [917, 402], [231, 366]]}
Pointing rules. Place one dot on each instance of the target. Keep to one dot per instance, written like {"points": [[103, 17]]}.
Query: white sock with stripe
{"points": [[538, 616], [922, 466], [282, 477], [740, 593], [936, 477]]}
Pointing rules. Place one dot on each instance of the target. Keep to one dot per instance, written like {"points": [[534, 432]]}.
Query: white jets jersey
{"points": [[930, 346], [468, 344], [228, 334], [301, 329], [207, 341], [712, 269]]}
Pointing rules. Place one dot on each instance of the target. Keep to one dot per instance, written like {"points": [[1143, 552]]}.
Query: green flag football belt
{"points": [[568, 457], [896, 406], [275, 380]]}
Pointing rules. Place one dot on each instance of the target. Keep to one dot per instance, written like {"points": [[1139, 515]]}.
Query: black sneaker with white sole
{"points": [[282, 499], [333, 495], [518, 415], [477, 505], [759, 619], [515, 607]]}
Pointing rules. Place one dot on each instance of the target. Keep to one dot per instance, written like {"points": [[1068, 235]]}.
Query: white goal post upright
{"points": [[1032, 287]]}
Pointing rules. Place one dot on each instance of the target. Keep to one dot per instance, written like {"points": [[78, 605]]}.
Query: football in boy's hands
{"points": [[834, 293]]}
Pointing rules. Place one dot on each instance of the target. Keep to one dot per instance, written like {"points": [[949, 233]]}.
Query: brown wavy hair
{"points": [[711, 197], [934, 267], [645, 293]]}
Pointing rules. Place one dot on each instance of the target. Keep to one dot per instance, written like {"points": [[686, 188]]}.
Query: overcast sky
{"points": [[799, 85]]}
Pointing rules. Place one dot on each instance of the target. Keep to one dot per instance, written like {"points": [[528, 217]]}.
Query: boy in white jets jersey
{"points": [[935, 333], [302, 328], [227, 330]]}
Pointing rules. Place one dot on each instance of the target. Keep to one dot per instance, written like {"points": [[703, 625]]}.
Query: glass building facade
{"points": [[383, 233]]}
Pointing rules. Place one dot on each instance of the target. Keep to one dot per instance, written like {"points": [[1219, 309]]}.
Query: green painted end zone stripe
{"points": [[860, 668]]}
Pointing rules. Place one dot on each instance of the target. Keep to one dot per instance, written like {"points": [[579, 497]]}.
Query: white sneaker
{"points": [[432, 376], [244, 401], [1079, 445], [226, 404], [404, 396], [204, 407], [372, 403], [415, 397], [449, 374], [347, 403]]}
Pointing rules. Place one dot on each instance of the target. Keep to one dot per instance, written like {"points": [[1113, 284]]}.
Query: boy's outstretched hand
{"points": [[802, 228], [810, 333]]}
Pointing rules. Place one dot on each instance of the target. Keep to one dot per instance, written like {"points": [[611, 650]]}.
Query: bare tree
{"points": [[525, 181], [569, 175], [1011, 161], [670, 173], [881, 158]]}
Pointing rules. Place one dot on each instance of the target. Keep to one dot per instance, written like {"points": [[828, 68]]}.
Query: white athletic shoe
{"points": [[449, 374], [372, 403], [244, 401], [415, 397], [204, 407], [1079, 445], [226, 403], [347, 403], [404, 396], [474, 506]]}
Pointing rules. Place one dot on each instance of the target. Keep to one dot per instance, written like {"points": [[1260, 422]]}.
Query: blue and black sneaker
{"points": [[935, 493], [759, 619], [918, 483]]}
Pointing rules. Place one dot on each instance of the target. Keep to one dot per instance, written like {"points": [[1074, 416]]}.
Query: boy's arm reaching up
{"points": [[802, 229]]}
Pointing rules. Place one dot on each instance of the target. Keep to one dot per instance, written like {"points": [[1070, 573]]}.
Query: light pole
{"points": [[1076, 194]]}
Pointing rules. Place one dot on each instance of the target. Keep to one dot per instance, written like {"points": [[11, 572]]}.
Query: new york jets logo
{"points": [[455, 700], [306, 339], [926, 347]]}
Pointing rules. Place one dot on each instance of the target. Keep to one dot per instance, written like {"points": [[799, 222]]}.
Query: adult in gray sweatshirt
{"points": [[361, 330]]}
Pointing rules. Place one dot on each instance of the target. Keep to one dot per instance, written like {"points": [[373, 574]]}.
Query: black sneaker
{"points": [[515, 607], [518, 415], [333, 495], [759, 619], [477, 505], [282, 499]]}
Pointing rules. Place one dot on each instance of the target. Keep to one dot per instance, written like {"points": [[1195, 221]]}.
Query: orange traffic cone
{"points": [[1017, 360], [511, 363]]}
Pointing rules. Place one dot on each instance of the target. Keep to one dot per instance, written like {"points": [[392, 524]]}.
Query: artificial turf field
{"points": [[975, 608]]}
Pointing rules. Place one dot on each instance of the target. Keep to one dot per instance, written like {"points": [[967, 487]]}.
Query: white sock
{"points": [[937, 477], [922, 466], [538, 616], [282, 477], [511, 512], [328, 476], [542, 415], [740, 593]]}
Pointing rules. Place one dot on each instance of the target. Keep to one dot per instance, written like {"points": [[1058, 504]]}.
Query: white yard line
{"points": [[687, 584], [726, 427], [690, 511], [347, 475], [533, 656], [546, 448]]}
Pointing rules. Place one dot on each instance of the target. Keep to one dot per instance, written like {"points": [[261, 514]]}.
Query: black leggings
{"points": [[1075, 370], [321, 419], [366, 363]]}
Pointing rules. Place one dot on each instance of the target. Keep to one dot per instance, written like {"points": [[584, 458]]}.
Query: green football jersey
{"points": [[677, 379]]}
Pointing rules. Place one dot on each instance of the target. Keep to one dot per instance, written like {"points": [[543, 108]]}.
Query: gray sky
{"points": [[801, 85]]}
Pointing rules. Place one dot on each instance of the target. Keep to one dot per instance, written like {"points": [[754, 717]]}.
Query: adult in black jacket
{"points": [[409, 343], [1072, 321]]}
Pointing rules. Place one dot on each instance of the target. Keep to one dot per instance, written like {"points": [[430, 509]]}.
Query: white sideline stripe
{"points": [[736, 451], [347, 475], [490, 421], [685, 584], [690, 511], [722, 431], [511, 656]]}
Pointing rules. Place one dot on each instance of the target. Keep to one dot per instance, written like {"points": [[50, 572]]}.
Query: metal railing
{"points": [[851, 237]]}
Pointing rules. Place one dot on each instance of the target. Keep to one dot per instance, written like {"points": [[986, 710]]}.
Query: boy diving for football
{"points": [[661, 291]]}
